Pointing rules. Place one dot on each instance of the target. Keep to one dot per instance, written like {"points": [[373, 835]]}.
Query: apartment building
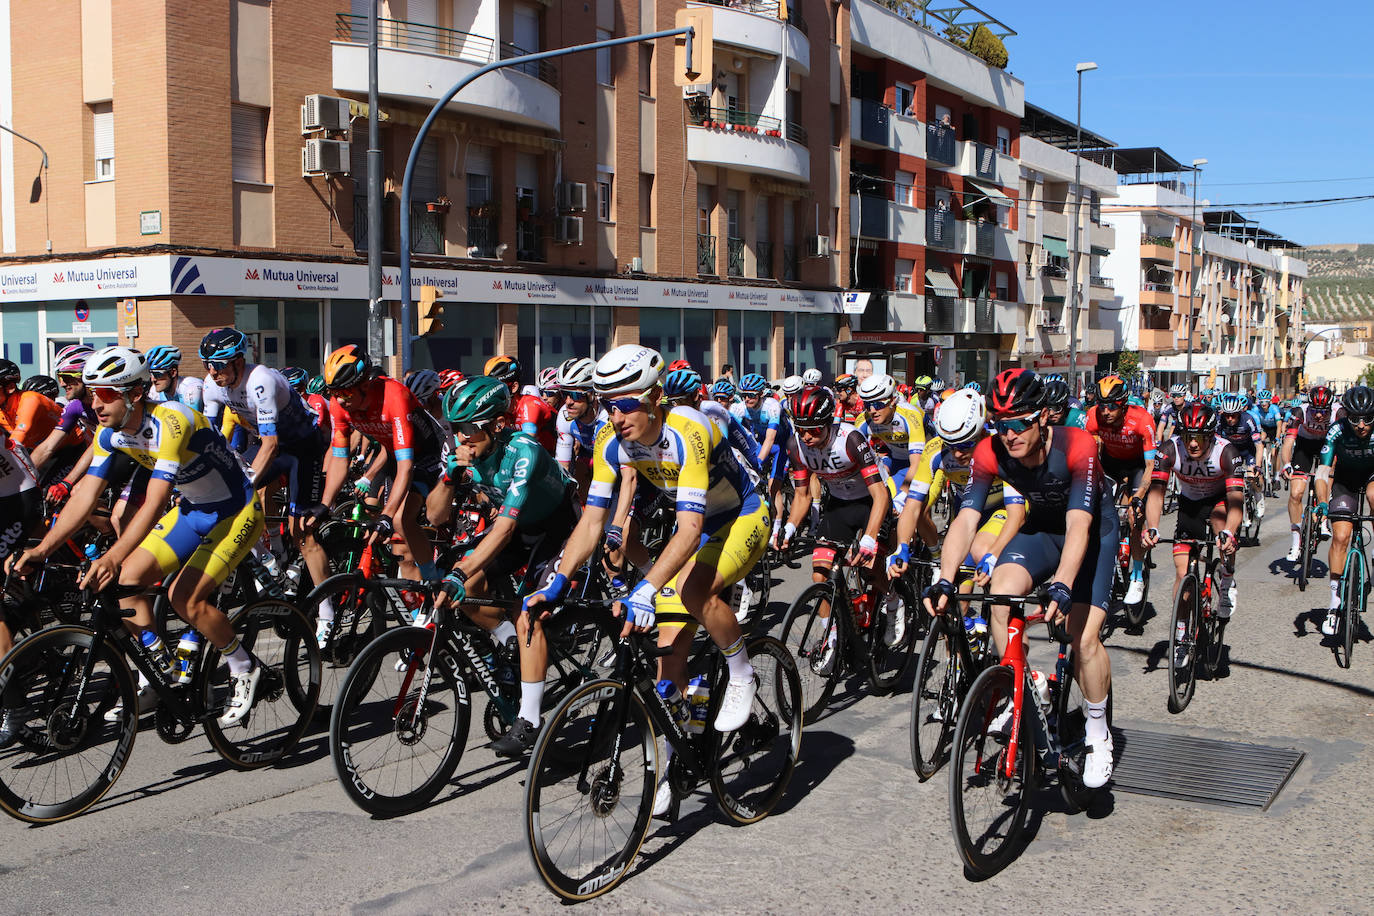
{"points": [[562, 207], [1051, 204]]}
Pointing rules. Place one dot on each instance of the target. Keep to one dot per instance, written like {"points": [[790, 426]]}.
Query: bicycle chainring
{"points": [[171, 729]]}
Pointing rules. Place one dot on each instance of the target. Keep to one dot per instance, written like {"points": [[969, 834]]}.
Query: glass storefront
{"points": [[805, 337], [466, 342], [34, 331]]}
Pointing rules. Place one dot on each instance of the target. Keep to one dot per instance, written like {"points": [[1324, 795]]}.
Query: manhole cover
{"points": [[1202, 770]]}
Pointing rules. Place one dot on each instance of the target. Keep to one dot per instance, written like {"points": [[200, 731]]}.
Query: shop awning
{"points": [[1098, 249], [990, 191], [941, 282], [1057, 247]]}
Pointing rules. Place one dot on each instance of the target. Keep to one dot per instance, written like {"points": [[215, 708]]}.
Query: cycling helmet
{"points": [[477, 400], [846, 382], [295, 376], [576, 373], [1232, 403], [163, 358], [722, 389], [627, 368], [548, 379], [753, 383], [811, 377], [1056, 394], [1014, 391], [679, 364], [1178, 391], [423, 383], [1358, 401], [448, 378], [974, 387], [1111, 389], [793, 385], [1321, 397], [70, 359], [1264, 394], [813, 407], [904, 390], [878, 387], [961, 418], [1053, 377], [9, 372], [115, 367], [346, 367], [681, 383], [45, 385], [506, 368], [938, 386], [923, 381], [316, 385], [1197, 418], [223, 343]]}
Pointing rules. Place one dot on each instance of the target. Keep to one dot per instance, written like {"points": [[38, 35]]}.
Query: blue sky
{"points": [[1266, 92]]}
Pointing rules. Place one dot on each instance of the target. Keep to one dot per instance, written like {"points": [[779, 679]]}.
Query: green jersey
{"points": [[1352, 456], [521, 477], [1075, 418]]}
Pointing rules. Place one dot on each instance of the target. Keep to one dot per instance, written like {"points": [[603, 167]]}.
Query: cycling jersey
{"points": [[691, 462], [1268, 416], [319, 406], [265, 403], [1350, 456], [845, 463], [1205, 478], [1307, 422], [1069, 478], [762, 417], [903, 435], [521, 477], [76, 416], [29, 417], [1075, 418], [1132, 441], [17, 472], [1244, 434], [189, 391], [392, 417], [577, 435], [939, 467], [534, 416]]}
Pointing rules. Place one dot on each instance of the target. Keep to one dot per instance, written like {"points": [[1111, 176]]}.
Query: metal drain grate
{"points": [[1202, 770]]}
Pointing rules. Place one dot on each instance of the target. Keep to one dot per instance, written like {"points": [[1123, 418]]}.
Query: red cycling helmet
{"points": [[1321, 397], [1197, 418], [679, 364], [812, 408], [1014, 392]]}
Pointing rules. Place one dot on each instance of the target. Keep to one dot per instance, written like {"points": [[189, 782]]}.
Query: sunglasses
{"points": [[578, 396], [1197, 437], [877, 405], [1016, 424], [218, 365], [469, 430], [107, 395], [69, 379], [724, 398], [630, 405], [1361, 421], [963, 447], [814, 429], [164, 374]]}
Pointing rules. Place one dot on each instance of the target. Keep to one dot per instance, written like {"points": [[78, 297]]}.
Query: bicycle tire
{"points": [[279, 639], [805, 638], [1070, 722], [751, 767], [1353, 591], [1308, 531], [573, 784], [1135, 613], [935, 699], [887, 665], [359, 618], [38, 678], [987, 848], [1210, 627], [1183, 680]]}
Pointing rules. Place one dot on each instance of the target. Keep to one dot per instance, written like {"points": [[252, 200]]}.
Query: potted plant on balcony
{"points": [[442, 205], [483, 211]]}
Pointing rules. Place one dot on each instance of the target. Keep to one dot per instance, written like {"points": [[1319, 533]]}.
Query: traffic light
{"points": [[699, 68], [431, 312]]}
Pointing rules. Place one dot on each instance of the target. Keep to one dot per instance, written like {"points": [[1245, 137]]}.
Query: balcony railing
{"points": [[795, 17], [1099, 280], [940, 228], [481, 237], [735, 119], [796, 133], [360, 223], [874, 122], [942, 315], [433, 39], [1056, 271], [984, 315], [872, 216], [764, 8], [706, 254], [539, 69], [1149, 287], [986, 239], [984, 161], [426, 230], [940, 143], [763, 260], [734, 257], [791, 264], [1161, 240]]}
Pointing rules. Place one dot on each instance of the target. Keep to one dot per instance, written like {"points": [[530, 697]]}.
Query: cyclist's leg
{"points": [[416, 538], [1344, 503], [223, 544], [1092, 590], [1193, 519]]}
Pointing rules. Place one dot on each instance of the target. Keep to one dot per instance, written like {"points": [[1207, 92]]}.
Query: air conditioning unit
{"points": [[572, 195], [636, 265], [324, 112], [820, 246], [568, 230], [324, 157]]}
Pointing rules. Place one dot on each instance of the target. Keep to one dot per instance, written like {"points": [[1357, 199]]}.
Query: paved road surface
{"points": [[856, 833]]}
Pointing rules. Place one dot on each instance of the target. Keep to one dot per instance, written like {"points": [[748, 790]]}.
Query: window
{"points": [[1003, 286], [905, 97], [604, 74], [527, 207], [905, 268], [646, 200], [603, 196], [646, 69], [901, 188], [102, 123], [248, 138], [1004, 141]]}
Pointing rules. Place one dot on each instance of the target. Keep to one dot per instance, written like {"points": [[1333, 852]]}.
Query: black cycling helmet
{"points": [[813, 407], [45, 385], [9, 372], [1320, 397], [1359, 401], [1057, 394], [1197, 417]]}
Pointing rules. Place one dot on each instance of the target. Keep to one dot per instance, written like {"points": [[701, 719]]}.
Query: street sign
{"points": [[150, 222], [131, 318], [855, 302], [83, 311], [81, 327], [937, 356]]}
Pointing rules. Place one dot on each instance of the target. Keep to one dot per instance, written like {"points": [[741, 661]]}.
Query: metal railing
{"points": [[1149, 287], [1099, 280], [795, 17], [1055, 271], [706, 254], [940, 143], [426, 230], [940, 228], [791, 263], [984, 315], [360, 223], [734, 257], [942, 315], [736, 119], [433, 39], [874, 122], [796, 133], [985, 238], [984, 161], [1162, 240], [763, 260], [771, 8], [541, 70], [481, 237]]}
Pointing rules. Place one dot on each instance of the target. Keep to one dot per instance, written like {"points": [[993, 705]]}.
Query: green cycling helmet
{"points": [[477, 399], [316, 385]]}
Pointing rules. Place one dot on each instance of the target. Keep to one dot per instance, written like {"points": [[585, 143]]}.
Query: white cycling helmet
{"points": [[576, 373], [115, 367], [811, 377], [627, 368], [548, 379], [878, 387], [793, 384], [961, 417]]}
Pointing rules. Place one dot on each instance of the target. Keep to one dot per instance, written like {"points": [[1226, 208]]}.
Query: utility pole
{"points": [[1077, 215], [376, 308], [1196, 238]]}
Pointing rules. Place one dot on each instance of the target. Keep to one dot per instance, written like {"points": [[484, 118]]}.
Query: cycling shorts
{"points": [[776, 464], [1345, 499], [61, 463], [1194, 518], [424, 472], [1128, 474], [992, 523], [303, 467], [18, 513], [1038, 553], [1272, 432], [208, 542], [533, 550], [732, 552], [1305, 454]]}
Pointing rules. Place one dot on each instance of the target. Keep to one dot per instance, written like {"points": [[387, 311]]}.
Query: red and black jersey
{"points": [[1069, 478], [1208, 477], [1133, 441]]}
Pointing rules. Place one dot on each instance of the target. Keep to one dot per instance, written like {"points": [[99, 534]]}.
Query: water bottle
{"points": [[92, 551], [188, 650], [676, 704], [153, 643], [293, 575], [268, 559], [1042, 691], [698, 703], [862, 604]]}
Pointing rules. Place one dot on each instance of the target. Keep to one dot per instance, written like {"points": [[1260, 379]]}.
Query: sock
{"points": [[240, 662], [1297, 536], [1096, 729], [738, 661], [429, 571], [327, 609], [1137, 570], [504, 631], [1336, 592], [531, 698]]}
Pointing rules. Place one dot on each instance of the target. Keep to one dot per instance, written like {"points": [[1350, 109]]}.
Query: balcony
{"points": [[746, 141], [870, 123], [418, 63], [1103, 236], [1157, 339], [1157, 294], [1102, 287], [360, 223], [940, 231], [1054, 283], [1157, 248], [983, 238], [481, 235], [764, 26], [978, 315], [763, 260], [791, 264], [1054, 223], [734, 257], [706, 255], [426, 230], [941, 145]]}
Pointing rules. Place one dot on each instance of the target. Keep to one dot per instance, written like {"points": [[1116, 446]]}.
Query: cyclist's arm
{"points": [[1016, 517], [85, 496], [490, 547], [1146, 479], [336, 461], [629, 483], [958, 539], [405, 468], [155, 497], [1159, 481], [882, 505], [48, 447], [1326, 464], [1290, 438], [268, 446], [766, 446], [801, 494]]}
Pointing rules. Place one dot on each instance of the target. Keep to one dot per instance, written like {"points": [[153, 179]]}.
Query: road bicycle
{"points": [[61, 682], [1121, 574], [1354, 588], [993, 768], [1253, 507], [1195, 604], [589, 790], [1310, 536]]}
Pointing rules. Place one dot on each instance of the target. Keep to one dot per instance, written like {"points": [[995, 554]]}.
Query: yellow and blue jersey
{"points": [[904, 435], [938, 467]]}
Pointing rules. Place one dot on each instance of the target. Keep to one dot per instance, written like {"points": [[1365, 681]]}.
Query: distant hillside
{"points": [[1340, 282]]}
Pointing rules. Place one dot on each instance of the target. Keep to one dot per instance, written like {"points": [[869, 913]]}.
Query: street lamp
{"points": [[1192, 273], [37, 190], [1077, 214]]}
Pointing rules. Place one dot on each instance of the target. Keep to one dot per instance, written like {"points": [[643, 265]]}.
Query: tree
{"points": [[1128, 364], [988, 46], [1367, 376]]}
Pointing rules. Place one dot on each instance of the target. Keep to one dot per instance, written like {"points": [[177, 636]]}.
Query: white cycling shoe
{"points": [[1332, 622], [737, 704], [1135, 592], [1295, 553], [663, 797], [1097, 766]]}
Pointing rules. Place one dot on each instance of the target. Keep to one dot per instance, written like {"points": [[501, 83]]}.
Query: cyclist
{"points": [[164, 362], [1345, 472], [27, 417], [193, 547], [578, 420], [1057, 405], [530, 413], [1126, 435], [764, 419], [1269, 417], [45, 385], [897, 426], [1238, 426], [1069, 538], [317, 399], [848, 407], [1168, 414], [1211, 492], [536, 510], [683, 387], [1303, 442], [19, 510]]}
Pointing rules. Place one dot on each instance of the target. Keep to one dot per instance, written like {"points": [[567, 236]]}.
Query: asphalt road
{"points": [[857, 831]]}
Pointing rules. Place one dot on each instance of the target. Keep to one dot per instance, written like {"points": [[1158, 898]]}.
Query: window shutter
{"points": [[248, 138], [103, 122], [478, 160], [426, 186]]}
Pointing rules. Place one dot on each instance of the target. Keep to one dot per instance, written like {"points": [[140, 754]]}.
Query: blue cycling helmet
{"points": [[680, 383], [1232, 403], [722, 389], [223, 343], [974, 387], [1265, 395], [296, 377], [1053, 377], [163, 358], [753, 383]]}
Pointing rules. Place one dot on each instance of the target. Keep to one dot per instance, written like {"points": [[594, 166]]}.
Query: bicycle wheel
{"points": [[1183, 677], [940, 684], [277, 636], [751, 766], [987, 804], [888, 664], [817, 643], [393, 751], [1352, 599], [1210, 627], [1070, 724], [1135, 613], [359, 618], [1309, 531], [66, 755], [589, 790]]}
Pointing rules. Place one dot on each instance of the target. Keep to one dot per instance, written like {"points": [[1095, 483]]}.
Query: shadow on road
{"points": [[1272, 669]]}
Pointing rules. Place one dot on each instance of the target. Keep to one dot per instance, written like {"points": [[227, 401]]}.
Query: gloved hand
{"points": [[1226, 540], [785, 536], [899, 557], [361, 486], [554, 591], [615, 538], [384, 527], [1061, 596], [937, 594], [639, 604], [455, 585], [1323, 509], [987, 564], [868, 549], [58, 492]]}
